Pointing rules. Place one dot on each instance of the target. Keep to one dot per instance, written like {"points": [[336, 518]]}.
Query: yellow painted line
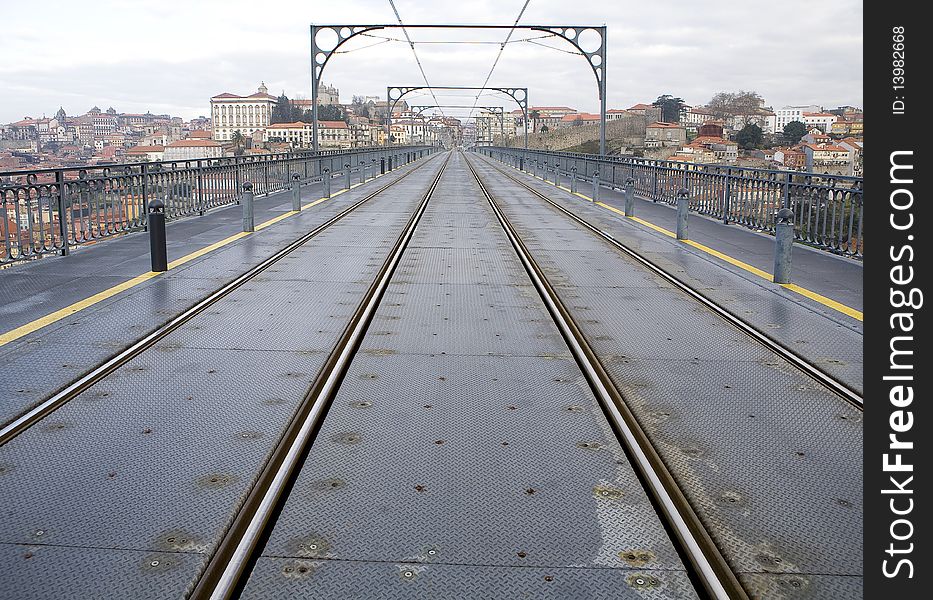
{"points": [[60, 314], [275, 220], [732, 261], [666, 232], [855, 314], [828, 302]]}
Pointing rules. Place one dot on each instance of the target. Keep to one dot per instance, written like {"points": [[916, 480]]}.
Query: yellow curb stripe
{"points": [[855, 314], [732, 261], [60, 314], [828, 302]]}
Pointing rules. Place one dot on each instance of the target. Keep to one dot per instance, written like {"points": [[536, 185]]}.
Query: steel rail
{"points": [[696, 544], [839, 388], [13, 428], [223, 576]]}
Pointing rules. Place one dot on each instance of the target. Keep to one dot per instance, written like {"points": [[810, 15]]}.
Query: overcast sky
{"points": [[173, 55]]}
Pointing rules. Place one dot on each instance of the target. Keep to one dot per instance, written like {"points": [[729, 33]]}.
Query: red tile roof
{"points": [[193, 144], [144, 149], [664, 125], [295, 125], [640, 106], [332, 124], [200, 134]]}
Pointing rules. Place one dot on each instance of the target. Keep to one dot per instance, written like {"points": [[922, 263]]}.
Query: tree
{"points": [[793, 131], [730, 104], [282, 110], [671, 108], [749, 137], [237, 139], [360, 106], [534, 116], [331, 112]]}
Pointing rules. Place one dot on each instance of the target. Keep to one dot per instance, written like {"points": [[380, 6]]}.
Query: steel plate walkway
{"points": [[444, 383]]}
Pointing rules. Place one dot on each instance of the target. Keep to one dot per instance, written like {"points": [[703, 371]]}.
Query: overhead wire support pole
{"points": [[588, 40]]}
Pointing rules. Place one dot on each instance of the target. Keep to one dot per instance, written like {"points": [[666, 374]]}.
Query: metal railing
{"points": [[48, 211], [827, 208]]}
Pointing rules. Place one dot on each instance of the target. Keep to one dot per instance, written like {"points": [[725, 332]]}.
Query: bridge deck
{"points": [[465, 454]]}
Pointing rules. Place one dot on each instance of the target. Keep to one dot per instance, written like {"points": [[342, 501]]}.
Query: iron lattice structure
{"points": [[588, 41], [498, 112]]}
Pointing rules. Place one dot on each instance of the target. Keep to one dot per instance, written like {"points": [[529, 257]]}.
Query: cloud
{"points": [[173, 56]]}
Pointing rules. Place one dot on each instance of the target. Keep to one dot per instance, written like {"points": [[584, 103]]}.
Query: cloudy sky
{"points": [[173, 55]]}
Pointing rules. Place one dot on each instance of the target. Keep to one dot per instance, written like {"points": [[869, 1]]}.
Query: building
{"points": [[790, 158], [193, 149], [297, 134], [614, 114], [826, 158], [854, 146], [577, 119], [145, 154], [231, 113], [660, 133], [824, 121], [787, 114], [327, 94], [335, 134], [696, 116]]}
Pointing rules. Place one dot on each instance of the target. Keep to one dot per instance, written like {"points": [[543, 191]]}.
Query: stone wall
{"points": [[629, 130]]}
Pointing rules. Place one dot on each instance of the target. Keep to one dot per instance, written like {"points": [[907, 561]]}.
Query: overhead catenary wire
{"points": [[499, 54], [414, 52]]}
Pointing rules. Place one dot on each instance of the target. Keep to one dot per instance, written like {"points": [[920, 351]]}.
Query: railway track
{"points": [[16, 426], [813, 371], [696, 545], [233, 561]]}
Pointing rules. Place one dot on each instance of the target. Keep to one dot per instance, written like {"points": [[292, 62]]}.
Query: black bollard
{"points": [[157, 251]]}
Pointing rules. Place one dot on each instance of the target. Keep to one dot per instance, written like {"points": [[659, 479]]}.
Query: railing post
{"points": [[557, 174], [683, 210], [629, 194], [296, 192], [200, 191], [783, 245], [62, 211], [246, 199], [157, 251], [595, 186], [727, 198], [654, 194]]}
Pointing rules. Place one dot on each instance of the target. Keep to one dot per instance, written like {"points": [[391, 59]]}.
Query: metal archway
{"points": [[497, 111], [594, 50], [396, 93]]}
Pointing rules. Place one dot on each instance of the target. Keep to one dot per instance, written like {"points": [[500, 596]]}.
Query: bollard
{"points": [[296, 192], [325, 179], [683, 209], [157, 252], [544, 173], [390, 163], [373, 171], [573, 180], [382, 165], [629, 194], [346, 171], [557, 175], [783, 245], [595, 186], [246, 199]]}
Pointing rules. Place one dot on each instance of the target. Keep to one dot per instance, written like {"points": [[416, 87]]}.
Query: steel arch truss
{"points": [[588, 40]]}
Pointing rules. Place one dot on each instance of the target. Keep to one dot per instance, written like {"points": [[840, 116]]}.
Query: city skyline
{"points": [[681, 50]]}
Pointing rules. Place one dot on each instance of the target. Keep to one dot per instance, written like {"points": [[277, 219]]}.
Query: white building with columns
{"points": [[246, 114]]}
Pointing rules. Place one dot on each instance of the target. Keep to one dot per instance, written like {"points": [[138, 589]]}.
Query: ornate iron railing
{"points": [[47, 211], [827, 208]]}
